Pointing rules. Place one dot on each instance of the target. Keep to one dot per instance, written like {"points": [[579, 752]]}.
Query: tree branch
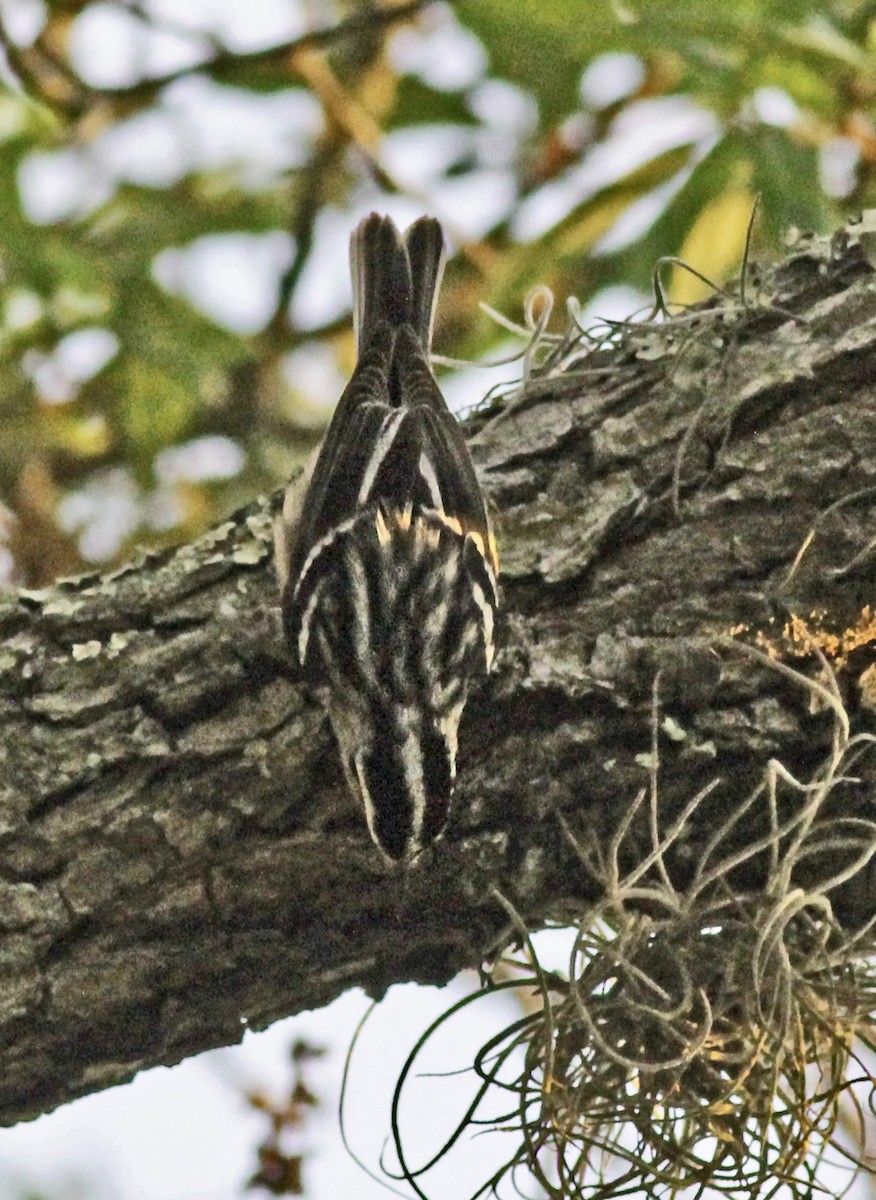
{"points": [[179, 857], [48, 78]]}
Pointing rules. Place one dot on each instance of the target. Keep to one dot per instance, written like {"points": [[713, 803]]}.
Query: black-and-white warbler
{"points": [[385, 554]]}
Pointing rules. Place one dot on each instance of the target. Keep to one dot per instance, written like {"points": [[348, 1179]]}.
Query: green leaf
{"points": [[714, 174], [548, 43], [786, 176], [561, 259], [155, 410], [418, 104]]}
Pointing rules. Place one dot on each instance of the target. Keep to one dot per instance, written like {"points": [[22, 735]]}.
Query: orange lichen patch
{"points": [[864, 633], [802, 637]]}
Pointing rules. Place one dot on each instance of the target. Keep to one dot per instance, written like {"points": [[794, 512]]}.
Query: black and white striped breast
{"points": [[397, 607]]}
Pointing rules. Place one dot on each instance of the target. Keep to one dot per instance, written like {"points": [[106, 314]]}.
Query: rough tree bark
{"points": [[179, 857]]}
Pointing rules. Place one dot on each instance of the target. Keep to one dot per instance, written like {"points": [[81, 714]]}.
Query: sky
{"points": [[185, 1133]]}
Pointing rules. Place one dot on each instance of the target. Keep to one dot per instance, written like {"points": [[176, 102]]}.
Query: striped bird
{"points": [[385, 554]]}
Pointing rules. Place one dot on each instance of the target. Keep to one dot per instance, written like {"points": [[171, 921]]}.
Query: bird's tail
{"points": [[396, 279]]}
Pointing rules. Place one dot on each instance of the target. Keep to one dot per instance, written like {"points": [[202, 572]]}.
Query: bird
{"points": [[386, 554]]}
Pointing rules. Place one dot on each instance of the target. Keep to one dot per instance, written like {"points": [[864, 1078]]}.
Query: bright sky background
{"points": [[185, 1133]]}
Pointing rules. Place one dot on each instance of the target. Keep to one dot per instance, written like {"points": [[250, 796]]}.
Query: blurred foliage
{"points": [[280, 1166], [572, 145]]}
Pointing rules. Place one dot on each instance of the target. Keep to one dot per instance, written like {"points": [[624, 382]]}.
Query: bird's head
{"points": [[404, 776], [398, 631]]}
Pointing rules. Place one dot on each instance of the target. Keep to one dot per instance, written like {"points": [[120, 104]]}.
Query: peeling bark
{"points": [[179, 858]]}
